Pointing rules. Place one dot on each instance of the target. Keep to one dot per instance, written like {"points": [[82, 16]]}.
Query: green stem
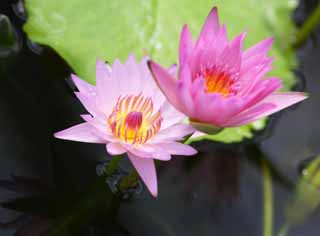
{"points": [[307, 27], [129, 180], [267, 199]]}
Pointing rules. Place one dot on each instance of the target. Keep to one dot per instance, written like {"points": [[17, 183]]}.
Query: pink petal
{"points": [[279, 102], [186, 102], [172, 70], [250, 78], [210, 27], [138, 151], [175, 148], [166, 83], [170, 115], [81, 133], [133, 78], [149, 151], [260, 48], [115, 149], [261, 90], [161, 155], [103, 72], [186, 45], [173, 133], [212, 107], [99, 127], [89, 103], [83, 86], [230, 58], [147, 171], [197, 134], [250, 115], [106, 86]]}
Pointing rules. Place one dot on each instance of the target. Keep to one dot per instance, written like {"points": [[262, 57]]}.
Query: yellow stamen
{"points": [[133, 120]]}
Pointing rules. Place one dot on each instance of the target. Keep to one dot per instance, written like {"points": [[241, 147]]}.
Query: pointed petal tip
{"points": [[57, 134], [146, 170], [214, 10], [269, 40], [154, 193], [100, 63]]}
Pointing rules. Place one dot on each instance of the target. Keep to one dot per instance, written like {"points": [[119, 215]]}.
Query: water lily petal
{"points": [[175, 148], [186, 45], [210, 27], [173, 133], [147, 171], [83, 86], [166, 83], [278, 101], [88, 103], [260, 48], [115, 149], [80, 133]]}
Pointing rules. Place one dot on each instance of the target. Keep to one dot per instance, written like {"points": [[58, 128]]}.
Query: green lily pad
{"points": [[82, 31]]}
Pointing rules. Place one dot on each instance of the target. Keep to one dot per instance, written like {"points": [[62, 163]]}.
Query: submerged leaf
{"points": [[82, 31]]}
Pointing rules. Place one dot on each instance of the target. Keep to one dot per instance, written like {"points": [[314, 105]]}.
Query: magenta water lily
{"points": [[219, 85], [130, 115]]}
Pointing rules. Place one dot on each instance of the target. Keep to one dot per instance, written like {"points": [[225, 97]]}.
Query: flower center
{"points": [[217, 81], [132, 119]]}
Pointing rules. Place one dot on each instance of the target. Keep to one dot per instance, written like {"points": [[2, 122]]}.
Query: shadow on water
{"points": [[219, 192]]}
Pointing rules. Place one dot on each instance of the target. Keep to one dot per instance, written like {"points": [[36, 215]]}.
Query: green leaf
{"points": [[82, 31]]}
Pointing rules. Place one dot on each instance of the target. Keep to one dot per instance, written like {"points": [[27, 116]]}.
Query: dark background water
{"points": [[217, 193]]}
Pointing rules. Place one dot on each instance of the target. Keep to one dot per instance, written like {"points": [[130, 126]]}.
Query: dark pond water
{"points": [[221, 192]]}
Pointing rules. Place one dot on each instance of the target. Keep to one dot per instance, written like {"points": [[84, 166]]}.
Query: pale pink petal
{"points": [[148, 151], [106, 86], [138, 151], [147, 171], [83, 86], [80, 133], [161, 155], [170, 115], [134, 79], [197, 134], [186, 45], [115, 149], [173, 133], [124, 80], [99, 127], [89, 103], [103, 72], [175, 148]]}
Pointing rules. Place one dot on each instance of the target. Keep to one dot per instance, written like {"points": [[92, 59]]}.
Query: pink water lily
{"points": [[130, 115], [219, 83]]}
